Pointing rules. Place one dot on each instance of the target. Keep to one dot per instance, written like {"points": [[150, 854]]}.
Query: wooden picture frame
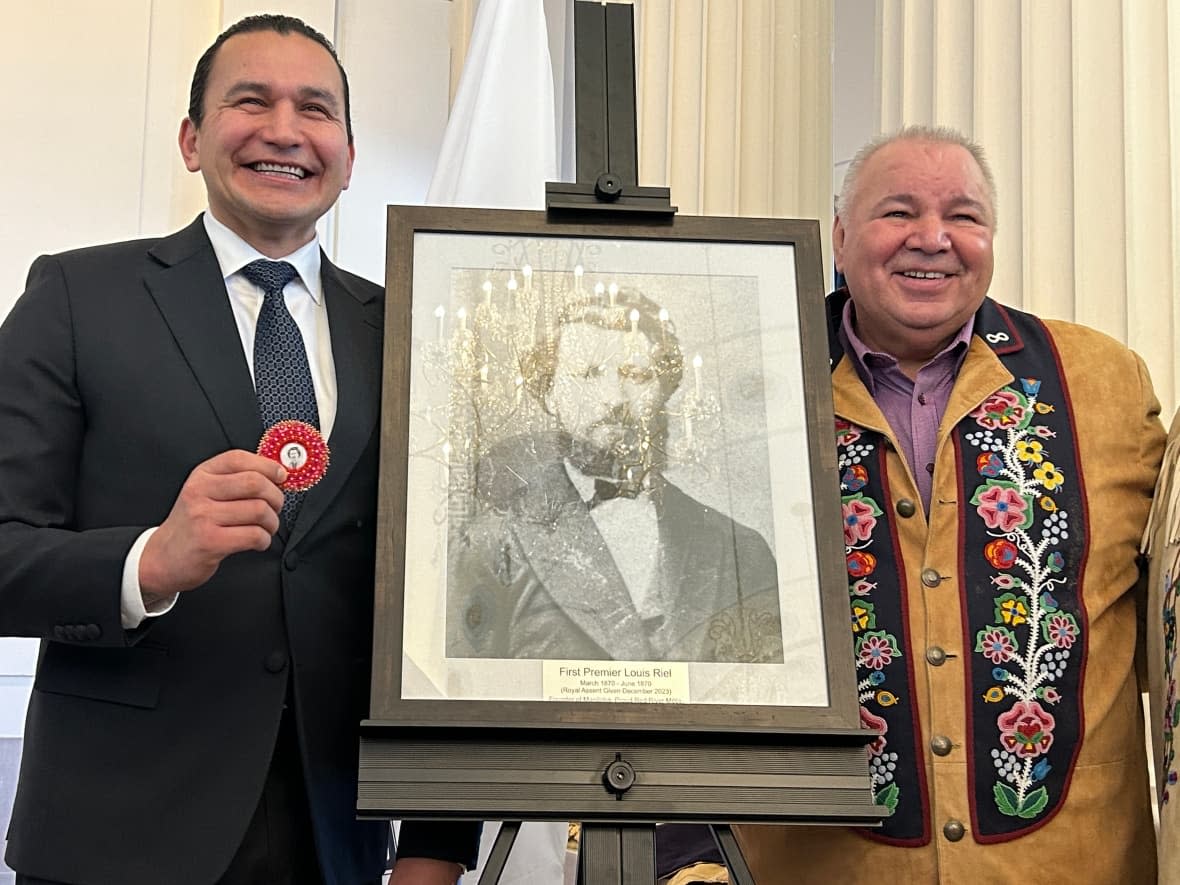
{"points": [[508, 628]]}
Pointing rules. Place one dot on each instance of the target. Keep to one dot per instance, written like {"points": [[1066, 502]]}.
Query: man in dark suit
{"points": [[581, 548], [205, 637]]}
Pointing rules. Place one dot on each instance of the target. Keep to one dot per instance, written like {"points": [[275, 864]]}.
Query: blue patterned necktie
{"points": [[282, 376]]}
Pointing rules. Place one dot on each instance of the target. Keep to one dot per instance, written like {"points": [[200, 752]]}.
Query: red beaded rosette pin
{"points": [[300, 449]]}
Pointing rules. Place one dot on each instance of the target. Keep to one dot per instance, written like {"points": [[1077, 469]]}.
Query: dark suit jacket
{"points": [[531, 576], [145, 751]]}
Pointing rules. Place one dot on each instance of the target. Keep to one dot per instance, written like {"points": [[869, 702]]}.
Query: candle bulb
{"points": [[613, 291], [634, 316], [440, 314], [527, 273], [512, 284], [487, 293], [696, 372], [578, 271], [462, 315], [664, 326], [599, 291]]}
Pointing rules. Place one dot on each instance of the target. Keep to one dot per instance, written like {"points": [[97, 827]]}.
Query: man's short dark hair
{"points": [[279, 24]]}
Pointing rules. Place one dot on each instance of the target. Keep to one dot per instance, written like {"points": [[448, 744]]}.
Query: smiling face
{"points": [[915, 245], [272, 147]]}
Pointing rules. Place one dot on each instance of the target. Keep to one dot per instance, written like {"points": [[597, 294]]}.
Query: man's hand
{"points": [[424, 871], [228, 504]]}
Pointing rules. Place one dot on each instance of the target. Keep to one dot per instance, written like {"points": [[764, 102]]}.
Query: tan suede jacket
{"points": [[1103, 832]]}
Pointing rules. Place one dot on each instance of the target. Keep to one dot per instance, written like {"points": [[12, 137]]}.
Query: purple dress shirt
{"points": [[913, 408]]}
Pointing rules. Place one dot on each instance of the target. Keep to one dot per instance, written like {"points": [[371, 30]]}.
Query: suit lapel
{"points": [[590, 591], [981, 375], [354, 319], [692, 562], [185, 281]]}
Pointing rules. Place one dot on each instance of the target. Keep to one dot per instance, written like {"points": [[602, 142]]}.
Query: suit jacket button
{"points": [[906, 508], [936, 656], [59, 632], [931, 577], [954, 830], [290, 561], [93, 631], [275, 662], [941, 745], [71, 631]]}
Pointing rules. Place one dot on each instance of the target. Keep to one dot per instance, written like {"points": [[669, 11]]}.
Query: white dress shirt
{"points": [[630, 529]]}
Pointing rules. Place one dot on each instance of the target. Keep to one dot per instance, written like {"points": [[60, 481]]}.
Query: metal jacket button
{"points": [[954, 830], [936, 656], [906, 508], [941, 745], [931, 577]]}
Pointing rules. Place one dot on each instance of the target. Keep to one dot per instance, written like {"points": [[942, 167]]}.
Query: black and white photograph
{"points": [[575, 542], [608, 487]]}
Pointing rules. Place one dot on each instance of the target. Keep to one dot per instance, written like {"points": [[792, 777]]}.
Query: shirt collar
{"points": [[860, 352], [583, 483], [233, 253], [587, 486]]}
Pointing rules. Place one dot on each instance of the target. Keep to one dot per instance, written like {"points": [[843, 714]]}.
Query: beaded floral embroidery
{"points": [[1032, 636], [1171, 707], [878, 651]]}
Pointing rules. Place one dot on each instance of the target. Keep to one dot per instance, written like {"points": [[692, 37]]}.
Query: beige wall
{"points": [[79, 140], [91, 154]]}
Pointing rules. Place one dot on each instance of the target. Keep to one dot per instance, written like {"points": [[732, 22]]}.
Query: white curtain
{"points": [[500, 146]]}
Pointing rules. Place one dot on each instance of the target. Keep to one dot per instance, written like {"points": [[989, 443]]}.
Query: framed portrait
{"points": [[608, 490]]}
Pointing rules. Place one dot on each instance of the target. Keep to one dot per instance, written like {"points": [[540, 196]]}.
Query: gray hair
{"points": [[917, 132]]}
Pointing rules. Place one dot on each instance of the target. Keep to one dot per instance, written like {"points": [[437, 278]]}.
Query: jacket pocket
{"points": [[128, 676]]}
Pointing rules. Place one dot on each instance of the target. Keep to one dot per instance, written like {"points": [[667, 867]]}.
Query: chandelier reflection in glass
{"points": [[489, 361]]}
